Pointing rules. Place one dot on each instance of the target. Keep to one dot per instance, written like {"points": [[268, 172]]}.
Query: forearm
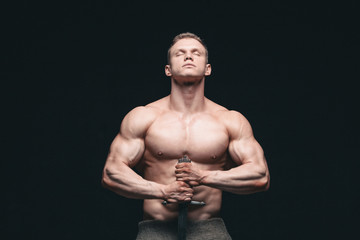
{"points": [[125, 182], [244, 179]]}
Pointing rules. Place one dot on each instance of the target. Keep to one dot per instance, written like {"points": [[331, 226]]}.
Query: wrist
{"points": [[161, 192], [209, 177], [204, 177], [156, 190]]}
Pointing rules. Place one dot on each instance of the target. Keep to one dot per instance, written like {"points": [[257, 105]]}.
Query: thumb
{"points": [[193, 183]]}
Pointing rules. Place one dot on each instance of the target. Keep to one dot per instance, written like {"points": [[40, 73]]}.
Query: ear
{"points": [[207, 70], [168, 70]]}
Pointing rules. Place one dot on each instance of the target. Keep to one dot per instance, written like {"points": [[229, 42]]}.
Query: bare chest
{"points": [[203, 138]]}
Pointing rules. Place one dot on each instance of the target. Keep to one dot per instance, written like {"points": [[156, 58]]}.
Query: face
{"points": [[187, 60]]}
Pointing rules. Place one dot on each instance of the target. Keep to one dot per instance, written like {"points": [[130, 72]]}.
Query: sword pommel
{"points": [[185, 158]]}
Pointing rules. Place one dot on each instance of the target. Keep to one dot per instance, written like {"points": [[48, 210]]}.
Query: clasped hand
{"points": [[188, 173], [187, 176]]}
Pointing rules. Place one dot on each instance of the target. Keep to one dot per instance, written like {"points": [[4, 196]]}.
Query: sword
{"points": [[182, 218]]}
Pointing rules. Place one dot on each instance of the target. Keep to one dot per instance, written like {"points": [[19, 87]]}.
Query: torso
{"points": [[202, 137]]}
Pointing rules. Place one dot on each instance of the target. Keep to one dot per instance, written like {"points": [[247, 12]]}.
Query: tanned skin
{"points": [[220, 143]]}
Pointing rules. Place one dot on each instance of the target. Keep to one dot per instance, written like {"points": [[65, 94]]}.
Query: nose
{"points": [[188, 57]]}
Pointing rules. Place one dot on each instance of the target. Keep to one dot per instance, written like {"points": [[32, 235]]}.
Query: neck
{"points": [[187, 97]]}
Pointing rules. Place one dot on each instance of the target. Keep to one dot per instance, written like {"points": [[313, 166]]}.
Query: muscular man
{"points": [[224, 153]]}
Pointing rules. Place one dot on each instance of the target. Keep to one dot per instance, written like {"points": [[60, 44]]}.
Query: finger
{"points": [[186, 179], [181, 179], [183, 184], [182, 170], [194, 183], [186, 197], [179, 165], [183, 189], [186, 189], [170, 200], [180, 175]]}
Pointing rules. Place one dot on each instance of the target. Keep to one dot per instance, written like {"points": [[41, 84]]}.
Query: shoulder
{"points": [[236, 124], [138, 120]]}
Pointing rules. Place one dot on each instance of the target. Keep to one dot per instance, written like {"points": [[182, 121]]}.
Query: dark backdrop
{"points": [[71, 71]]}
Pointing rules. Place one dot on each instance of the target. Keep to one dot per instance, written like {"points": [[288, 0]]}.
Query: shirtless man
{"points": [[224, 153]]}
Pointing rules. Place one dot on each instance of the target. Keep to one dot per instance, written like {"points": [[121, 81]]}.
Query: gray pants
{"points": [[210, 229]]}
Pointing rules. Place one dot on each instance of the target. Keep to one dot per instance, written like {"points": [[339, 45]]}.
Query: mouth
{"points": [[188, 65]]}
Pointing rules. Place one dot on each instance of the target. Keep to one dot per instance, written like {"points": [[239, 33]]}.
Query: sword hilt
{"points": [[185, 158]]}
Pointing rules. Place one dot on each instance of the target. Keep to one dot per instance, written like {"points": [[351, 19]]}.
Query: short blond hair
{"points": [[187, 35]]}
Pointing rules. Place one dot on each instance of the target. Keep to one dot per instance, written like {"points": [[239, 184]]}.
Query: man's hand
{"points": [[188, 173], [178, 191]]}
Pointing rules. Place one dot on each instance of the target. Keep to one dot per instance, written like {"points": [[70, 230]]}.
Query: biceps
{"points": [[128, 151], [246, 151]]}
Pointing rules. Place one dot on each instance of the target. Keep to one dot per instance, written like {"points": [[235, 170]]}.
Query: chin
{"points": [[189, 83], [189, 78]]}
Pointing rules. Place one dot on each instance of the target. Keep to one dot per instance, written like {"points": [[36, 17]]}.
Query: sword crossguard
{"points": [[198, 203]]}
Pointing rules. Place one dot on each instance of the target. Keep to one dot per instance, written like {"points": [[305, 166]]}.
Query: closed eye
{"points": [[179, 53], [196, 52]]}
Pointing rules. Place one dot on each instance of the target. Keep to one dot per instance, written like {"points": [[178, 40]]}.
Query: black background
{"points": [[72, 70]]}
